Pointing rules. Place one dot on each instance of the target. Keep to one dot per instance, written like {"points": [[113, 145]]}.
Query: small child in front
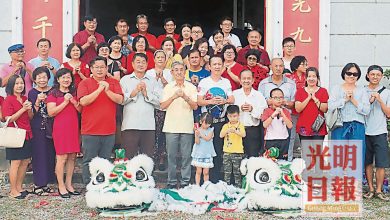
{"points": [[276, 121], [233, 149]]}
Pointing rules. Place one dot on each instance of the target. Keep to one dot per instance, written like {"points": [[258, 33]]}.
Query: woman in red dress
{"points": [[232, 69], [16, 108], [259, 71], [64, 107], [79, 69], [311, 101]]}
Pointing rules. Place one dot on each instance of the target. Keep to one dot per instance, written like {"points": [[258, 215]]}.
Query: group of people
{"points": [[212, 100]]}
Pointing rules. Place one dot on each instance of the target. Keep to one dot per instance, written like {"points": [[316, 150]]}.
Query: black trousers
{"points": [[254, 140]]}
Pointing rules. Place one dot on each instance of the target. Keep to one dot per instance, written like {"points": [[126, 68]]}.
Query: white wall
{"points": [[5, 29], [360, 33]]}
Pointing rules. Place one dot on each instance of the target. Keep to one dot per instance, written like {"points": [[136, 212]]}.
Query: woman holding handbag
{"points": [[311, 102], [43, 154], [353, 103], [64, 107], [16, 108]]}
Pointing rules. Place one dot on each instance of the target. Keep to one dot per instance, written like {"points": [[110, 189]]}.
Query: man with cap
{"points": [[376, 133], [17, 66]]}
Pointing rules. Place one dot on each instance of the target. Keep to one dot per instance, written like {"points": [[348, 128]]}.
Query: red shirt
{"points": [[310, 112], [299, 82], [98, 118], [152, 41], [264, 58], [236, 69], [163, 36], [129, 64], [10, 106], [84, 69], [259, 74], [1, 104], [81, 38]]}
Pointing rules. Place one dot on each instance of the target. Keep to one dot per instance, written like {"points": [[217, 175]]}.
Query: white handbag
{"points": [[12, 137]]}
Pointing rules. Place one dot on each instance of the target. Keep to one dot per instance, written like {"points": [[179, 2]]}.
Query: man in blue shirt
{"points": [[43, 59]]}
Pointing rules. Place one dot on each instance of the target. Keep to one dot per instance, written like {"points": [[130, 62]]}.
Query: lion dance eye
{"points": [[261, 177], [100, 178], [141, 175]]}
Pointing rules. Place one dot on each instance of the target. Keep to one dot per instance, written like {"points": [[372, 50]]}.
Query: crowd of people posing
{"points": [[212, 100]]}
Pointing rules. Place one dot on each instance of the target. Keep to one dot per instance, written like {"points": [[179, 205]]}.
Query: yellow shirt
{"points": [[175, 58], [233, 142], [179, 115]]}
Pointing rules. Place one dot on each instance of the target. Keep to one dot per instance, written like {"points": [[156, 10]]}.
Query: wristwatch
{"points": [[51, 68]]}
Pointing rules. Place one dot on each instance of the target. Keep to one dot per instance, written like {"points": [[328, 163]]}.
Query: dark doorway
{"points": [[206, 12]]}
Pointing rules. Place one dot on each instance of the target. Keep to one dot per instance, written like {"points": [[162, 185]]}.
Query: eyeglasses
{"points": [[303, 64], [289, 46], [278, 98], [99, 67], [252, 58], [352, 74], [227, 24], [229, 52], [197, 32]]}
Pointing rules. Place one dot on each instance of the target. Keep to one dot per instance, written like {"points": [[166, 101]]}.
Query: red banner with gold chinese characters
{"points": [[42, 18], [301, 21]]}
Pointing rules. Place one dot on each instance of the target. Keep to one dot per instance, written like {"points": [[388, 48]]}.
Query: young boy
{"points": [[233, 149], [276, 121]]}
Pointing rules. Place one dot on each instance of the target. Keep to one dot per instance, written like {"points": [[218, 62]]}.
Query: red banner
{"points": [[301, 22], [42, 18]]}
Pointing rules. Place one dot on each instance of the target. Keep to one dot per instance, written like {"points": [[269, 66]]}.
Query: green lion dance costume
{"points": [[268, 185]]}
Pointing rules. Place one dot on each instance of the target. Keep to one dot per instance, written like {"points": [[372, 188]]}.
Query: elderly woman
{"points": [[43, 153], [163, 76], [80, 70], [311, 101], [353, 103], [232, 69], [168, 46], [259, 72], [140, 45]]}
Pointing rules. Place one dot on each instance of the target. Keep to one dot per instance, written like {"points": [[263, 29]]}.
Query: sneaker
{"points": [[382, 196], [171, 186]]}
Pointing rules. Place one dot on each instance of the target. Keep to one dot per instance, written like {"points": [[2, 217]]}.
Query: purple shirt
{"points": [[8, 69]]}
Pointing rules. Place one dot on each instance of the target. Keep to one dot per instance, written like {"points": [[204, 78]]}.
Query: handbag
{"points": [[49, 128], [318, 122], [12, 137], [334, 119]]}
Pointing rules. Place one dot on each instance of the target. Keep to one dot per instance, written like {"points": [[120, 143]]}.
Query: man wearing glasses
{"points": [[17, 66], [288, 53], [196, 34], [226, 26], [88, 39]]}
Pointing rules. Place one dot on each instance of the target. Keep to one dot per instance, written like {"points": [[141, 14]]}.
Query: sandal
{"points": [[369, 195], [21, 196], [48, 190], [382, 196], [40, 191]]}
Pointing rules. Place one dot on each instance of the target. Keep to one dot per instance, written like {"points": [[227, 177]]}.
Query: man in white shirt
{"points": [[252, 104], [226, 26]]}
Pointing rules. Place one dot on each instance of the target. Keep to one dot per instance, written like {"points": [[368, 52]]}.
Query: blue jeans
{"points": [[351, 131]]}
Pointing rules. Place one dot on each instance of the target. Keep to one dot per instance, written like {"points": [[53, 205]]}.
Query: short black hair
{"points": [[114, 38], [296, 61], [166, 20], [226, 18], [61, 72], [44, 40], [141, 16], [197, 24], [253, 52], [70, 47], [231, 109], [135, 41], [103, 44], [370, 68], [9, 88], [274, 90], [121, 20], [98, 58], [214, 57], [142, 55], [89, 18], [288, 39], [193, 51], [39, 70], [206, 117], [347, 67], [227, 47], [199, 42], [216, 32]]}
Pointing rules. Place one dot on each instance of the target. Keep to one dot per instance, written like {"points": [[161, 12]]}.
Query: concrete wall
{"points": [[5, 29], [360, 33]]}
